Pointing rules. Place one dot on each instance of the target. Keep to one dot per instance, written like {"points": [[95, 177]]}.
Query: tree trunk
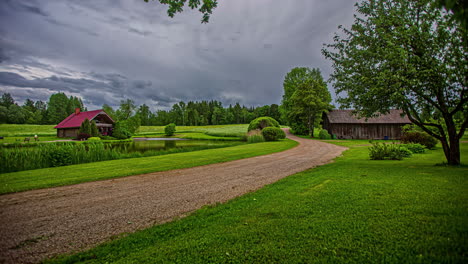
{"points": [[452, 147], [311, 125]]}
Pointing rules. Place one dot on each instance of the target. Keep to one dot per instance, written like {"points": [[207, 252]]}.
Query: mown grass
{"points": [[10, 130], [229, 130], [351, 211], [66, 175]]}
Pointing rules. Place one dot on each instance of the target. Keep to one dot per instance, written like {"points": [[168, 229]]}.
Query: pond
{"points": [[143, 145]]}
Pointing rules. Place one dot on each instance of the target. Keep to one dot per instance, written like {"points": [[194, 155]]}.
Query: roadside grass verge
{"points": [[73, 174], [351, 211]]}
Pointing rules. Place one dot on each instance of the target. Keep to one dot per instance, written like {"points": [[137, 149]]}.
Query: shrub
{"points": [[273, 133], [94, 139], [121, 131], [381, 151], [255, 139], [254, 136], [107, 138], [419, 137], [170, 129], [324, 134], [415, 148], [262, 122], [405, 152], [83, 136], [299, 128]]}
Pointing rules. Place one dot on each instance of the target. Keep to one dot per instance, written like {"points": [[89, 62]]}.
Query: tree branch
{"points": [[413, 117]]}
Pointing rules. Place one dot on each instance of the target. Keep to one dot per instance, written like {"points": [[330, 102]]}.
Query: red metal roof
{"points": [[75, 120]]}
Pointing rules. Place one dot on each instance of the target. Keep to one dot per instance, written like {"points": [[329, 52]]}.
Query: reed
{"points": [[20, 157]]}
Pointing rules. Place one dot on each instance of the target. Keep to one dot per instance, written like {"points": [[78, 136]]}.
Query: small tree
{"points": [[94, 132], [170, 129], [85, 127]]}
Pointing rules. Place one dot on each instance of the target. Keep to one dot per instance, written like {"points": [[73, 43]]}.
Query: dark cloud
{"points": [[3, 56], [105, 51], [139, 32]]}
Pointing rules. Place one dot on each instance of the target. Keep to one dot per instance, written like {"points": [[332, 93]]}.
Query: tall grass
{"points": [[20, 157]]}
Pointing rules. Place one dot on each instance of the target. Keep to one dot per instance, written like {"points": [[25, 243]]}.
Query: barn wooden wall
{"points": [[365, 131], [67, 132]]}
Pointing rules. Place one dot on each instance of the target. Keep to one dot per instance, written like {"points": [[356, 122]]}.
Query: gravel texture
{"points": [[43, 223]]}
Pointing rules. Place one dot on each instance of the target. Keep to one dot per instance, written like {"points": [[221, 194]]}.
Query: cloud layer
{"points": [[106, 51]]}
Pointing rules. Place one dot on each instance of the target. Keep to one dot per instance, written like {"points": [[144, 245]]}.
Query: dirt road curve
{"points": [[38, 224]]}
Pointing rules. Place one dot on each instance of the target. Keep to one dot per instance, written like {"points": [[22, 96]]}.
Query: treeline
{"points": [[59, 106], [54, 111], [193, 113]]}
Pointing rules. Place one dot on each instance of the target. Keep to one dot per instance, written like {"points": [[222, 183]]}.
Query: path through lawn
{"points": [[44, 223]]}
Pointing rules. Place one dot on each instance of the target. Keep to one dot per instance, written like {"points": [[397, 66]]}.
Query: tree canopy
{"points": [[305, 98], [409, 55], [176, 6]]}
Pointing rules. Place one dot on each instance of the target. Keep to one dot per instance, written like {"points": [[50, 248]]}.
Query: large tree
{"points": [[57, 108], [176, 6], [305, 98], [409, 55]]}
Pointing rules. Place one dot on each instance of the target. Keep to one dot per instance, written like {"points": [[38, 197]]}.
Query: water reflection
{"points": [[157, 145]]}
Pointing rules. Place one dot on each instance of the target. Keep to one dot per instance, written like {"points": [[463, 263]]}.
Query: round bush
{"points": [[273, 133], [323, 134], [170, 129], [419, 137], [262, 122]]}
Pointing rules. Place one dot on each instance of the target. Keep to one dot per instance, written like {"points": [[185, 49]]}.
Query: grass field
{"points": [[66, 175], [17, 133], [351, 211]]}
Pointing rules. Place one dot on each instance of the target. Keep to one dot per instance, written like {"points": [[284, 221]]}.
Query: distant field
{"points": [[11, 130], [234, 130]]}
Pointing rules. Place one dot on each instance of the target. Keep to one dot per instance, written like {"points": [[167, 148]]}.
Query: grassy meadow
{"points": [[351, 211]]}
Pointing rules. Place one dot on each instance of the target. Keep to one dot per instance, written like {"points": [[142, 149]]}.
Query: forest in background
{"points": [[192, 113]]}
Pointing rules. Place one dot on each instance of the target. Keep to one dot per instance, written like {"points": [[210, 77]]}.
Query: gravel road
{"points": [[43, 223]]}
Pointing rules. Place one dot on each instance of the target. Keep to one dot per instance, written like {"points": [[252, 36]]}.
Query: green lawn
{"points": [[17, 133], [10, 130], [66, 175], [351, 211]]}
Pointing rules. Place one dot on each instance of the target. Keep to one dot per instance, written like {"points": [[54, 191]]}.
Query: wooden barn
{"points": [[343, 124], [70, 126]]}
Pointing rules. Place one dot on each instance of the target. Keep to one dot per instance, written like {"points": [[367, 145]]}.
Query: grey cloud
{"points": [[3, 56], [139, 32], [72, 27], [111, 49], [20, 6]]}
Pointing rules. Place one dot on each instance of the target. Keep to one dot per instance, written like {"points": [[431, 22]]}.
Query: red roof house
{"points": [[70, 126]]}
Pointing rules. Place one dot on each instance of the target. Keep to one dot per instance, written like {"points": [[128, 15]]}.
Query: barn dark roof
{"points": [[347, 117]]}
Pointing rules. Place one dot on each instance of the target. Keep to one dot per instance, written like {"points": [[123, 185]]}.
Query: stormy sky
{"points": [[105, 51]]}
